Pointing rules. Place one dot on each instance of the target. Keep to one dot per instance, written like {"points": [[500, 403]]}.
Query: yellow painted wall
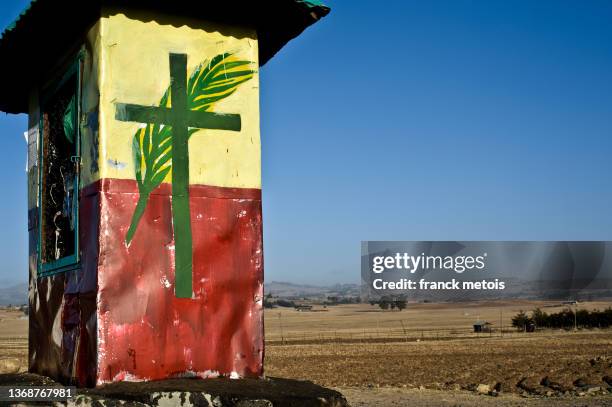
{"points": [[134, 68]]}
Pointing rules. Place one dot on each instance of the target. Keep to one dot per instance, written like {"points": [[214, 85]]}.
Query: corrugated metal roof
{"points": [[12, 25], [47, 29]]}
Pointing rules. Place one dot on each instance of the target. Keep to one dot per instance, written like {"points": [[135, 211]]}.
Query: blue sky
{"points": [[439, 120]]}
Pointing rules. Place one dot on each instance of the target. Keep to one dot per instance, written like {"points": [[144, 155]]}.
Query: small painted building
{"points": [[144, 182], [482, 326]]}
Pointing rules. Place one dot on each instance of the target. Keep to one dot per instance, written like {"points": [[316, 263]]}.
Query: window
{"points": [[59, 175]]}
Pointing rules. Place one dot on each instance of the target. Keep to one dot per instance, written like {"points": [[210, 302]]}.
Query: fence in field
{"points": [[368, 335], [17, 342], [401, 333]]}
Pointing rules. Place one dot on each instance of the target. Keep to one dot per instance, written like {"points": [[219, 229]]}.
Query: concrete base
{"points": [[269, 392]]}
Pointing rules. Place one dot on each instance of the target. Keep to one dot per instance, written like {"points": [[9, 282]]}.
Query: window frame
{"points": [[71, 262]]}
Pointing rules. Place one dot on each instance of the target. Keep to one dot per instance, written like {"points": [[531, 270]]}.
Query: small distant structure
{"points": [[530, 327], [482, 326], [303, 307]]}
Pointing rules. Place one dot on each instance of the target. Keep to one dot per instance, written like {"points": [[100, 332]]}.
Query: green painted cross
{"points": [[180, 118]]}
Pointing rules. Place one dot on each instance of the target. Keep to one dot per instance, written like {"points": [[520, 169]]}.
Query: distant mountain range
{"points": [[13, 294], [292, 290], [17, 293]]}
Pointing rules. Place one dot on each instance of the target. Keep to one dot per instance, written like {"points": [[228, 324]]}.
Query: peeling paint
{"points": [[118, 165], [165, 282]]}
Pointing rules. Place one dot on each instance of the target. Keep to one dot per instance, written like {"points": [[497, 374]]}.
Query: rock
{"points": [[471, 387], [9, 365], [557, 387], [549, 393], [593, 389], [545, 381], [220, 392], [483, 389], [493, 393], [531, 385], [580, 382], [421, 388], [498, 387], [599, 360], [80, 401], [261, 403]]}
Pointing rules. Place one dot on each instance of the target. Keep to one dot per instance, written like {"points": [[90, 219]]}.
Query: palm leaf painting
{"points": [[210, 82]]}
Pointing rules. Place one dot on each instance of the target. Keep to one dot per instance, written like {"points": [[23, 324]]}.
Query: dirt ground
{"points": [[382, 358], [560, 358], [13, 340], [426, 355], [398, 397]]}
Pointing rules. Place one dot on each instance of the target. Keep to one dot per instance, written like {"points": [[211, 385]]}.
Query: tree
{"points": [[539, 317], [285, 303], [565, 319], [521, 320], [269, 301]]}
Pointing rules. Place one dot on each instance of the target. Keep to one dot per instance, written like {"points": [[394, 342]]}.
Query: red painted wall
{"points": [[143, 330]]}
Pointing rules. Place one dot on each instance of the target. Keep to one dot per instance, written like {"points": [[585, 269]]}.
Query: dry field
{"points": [[13, 340], [357, 322], [562, 357], [425, 355], [380, 358]]}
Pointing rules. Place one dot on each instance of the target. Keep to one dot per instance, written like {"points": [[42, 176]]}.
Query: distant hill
{"points": [[15, 294], [292, 290]]}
